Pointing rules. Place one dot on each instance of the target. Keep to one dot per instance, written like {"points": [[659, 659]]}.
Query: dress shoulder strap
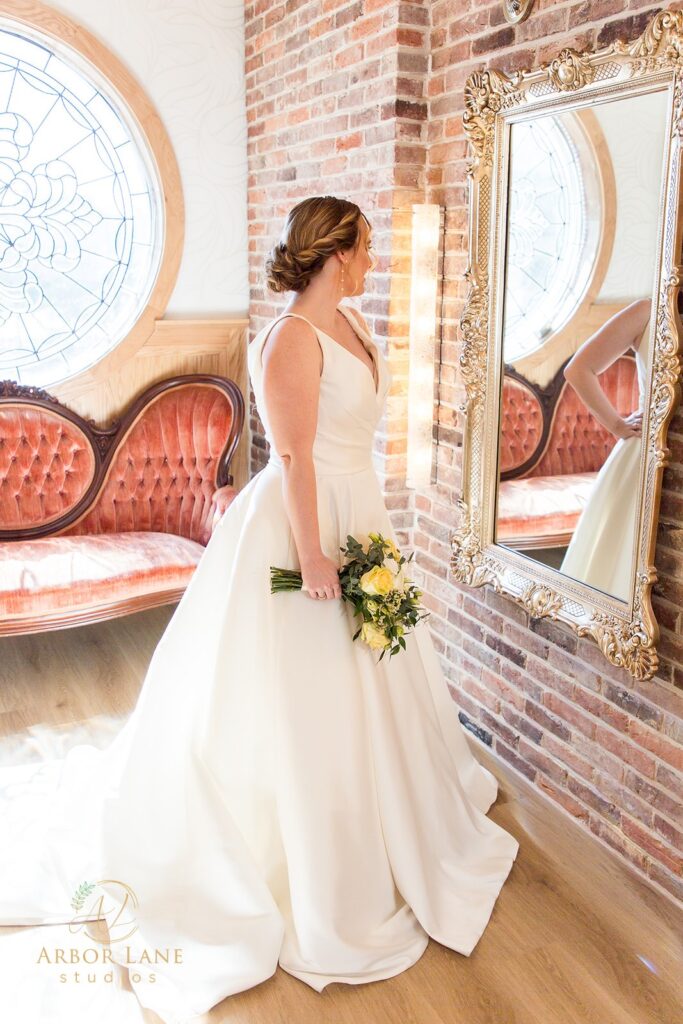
{"points": [[354, 319]]}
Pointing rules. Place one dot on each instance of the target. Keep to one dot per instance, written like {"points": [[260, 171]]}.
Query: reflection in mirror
{"points": [[581, 265]]}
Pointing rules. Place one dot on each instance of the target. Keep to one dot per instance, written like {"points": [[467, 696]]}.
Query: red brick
{"points": [[627, 752], [654, 847], [672, 753], [618, 842], [656, 798], [546, 764], [518, 763], [591, 796], [565, 754], [564, 799], [673, 835]]}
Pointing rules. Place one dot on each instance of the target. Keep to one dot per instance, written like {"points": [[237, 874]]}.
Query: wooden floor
{"points": [[575, 936]]}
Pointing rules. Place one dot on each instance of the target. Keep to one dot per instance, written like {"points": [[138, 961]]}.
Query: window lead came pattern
{"points": [[81, 217], [552, 235]]}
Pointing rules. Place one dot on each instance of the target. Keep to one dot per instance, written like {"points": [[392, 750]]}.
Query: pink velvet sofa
{"points": [[550, 453], [97, 522]]}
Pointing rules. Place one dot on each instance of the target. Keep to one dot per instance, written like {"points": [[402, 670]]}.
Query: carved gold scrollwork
{"points": [[486, 94], [570, 71], [467, 563], [625, 644], [540, 601], [661, 44], [474, 330], [667, 370]]}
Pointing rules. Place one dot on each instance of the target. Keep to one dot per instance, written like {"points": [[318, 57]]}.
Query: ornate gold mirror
{"points": [[571, 344]]}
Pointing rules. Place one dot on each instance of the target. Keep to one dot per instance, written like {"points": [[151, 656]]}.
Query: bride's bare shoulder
{"points": [[291, 339], [640, 312]]}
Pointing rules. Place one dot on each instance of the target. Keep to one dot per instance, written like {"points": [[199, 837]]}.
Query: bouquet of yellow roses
{"points": [[384, 598]]}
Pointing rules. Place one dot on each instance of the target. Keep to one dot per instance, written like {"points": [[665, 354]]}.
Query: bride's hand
{"points": [[320, 578], [629, 426]]}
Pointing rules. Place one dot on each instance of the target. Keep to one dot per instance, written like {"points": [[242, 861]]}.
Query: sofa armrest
{"points": [[221, 498]]}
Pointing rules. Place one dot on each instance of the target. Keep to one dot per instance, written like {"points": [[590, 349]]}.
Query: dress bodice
{"points": [[350, 404], [643, 363]]}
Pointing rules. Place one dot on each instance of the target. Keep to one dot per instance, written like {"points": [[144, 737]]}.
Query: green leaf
{"points": [[81, 894]]}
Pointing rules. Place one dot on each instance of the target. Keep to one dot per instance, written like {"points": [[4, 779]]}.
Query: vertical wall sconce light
{"points": [[426, 233]]}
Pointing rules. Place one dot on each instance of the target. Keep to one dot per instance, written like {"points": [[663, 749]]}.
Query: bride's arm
{"points": [[621, 332], [292, 363]]}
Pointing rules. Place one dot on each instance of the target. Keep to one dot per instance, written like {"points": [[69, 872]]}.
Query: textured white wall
{"points": [[635, 129], [189, 57]]}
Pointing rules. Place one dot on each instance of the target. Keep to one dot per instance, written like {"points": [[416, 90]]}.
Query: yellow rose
{"points": [[393, 550], [373, 636], [377, 580]]}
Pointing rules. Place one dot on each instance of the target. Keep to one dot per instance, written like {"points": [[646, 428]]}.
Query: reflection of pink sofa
{"points": [[99, 522], [550, 453]]}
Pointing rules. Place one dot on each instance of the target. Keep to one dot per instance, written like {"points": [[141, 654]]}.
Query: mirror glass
{"points": [[581, 264]]}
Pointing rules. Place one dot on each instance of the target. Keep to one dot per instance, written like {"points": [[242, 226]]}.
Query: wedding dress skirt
{"points": [[277, 796], [602, 549]]}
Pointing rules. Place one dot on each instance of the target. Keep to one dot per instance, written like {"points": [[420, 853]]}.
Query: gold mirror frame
{"points": [[517, 10], [627, 632]]}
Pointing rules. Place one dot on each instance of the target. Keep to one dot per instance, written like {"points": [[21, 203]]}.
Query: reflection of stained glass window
{"points": [[81, 222], [552, 238]]}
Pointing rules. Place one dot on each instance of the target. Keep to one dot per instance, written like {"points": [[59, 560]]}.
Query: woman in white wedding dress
{"points": [[277, 796], [601, 551]]}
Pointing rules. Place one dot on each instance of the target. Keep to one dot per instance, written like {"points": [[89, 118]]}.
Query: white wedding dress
{"points": [[277, 796], [601, 551]]}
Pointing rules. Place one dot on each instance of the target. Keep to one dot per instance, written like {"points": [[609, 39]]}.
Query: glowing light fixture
{"points": [[426, 228]]}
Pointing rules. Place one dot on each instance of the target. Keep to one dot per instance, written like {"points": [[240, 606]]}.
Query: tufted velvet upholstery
{"points": [[545, 508], [163, 474], [574, 441], [99, 522], [67, 572], [577, 442], [46, 465], [551, 451], [521, 424]]}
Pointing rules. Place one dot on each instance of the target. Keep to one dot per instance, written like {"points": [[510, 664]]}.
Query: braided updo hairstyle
{"points": [[315, 229]]}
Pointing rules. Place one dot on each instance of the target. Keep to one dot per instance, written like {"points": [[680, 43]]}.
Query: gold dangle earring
{"points": [[341, 283]]}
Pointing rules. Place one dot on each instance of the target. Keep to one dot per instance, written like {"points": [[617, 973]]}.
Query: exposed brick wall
{"points": [[336, 105], [365, 100]]}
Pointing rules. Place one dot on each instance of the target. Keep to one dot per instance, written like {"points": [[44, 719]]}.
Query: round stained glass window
{"points": [[81, 213], [553, 232]]}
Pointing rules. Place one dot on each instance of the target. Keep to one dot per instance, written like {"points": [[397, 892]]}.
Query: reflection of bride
{"points": [[601, 549]]}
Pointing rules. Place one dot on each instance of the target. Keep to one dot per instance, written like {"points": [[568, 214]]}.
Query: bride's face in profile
{"points": [[359, 262]]}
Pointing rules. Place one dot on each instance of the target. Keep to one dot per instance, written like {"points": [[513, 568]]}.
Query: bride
{"points": [[600, 552], [278, 796]]}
